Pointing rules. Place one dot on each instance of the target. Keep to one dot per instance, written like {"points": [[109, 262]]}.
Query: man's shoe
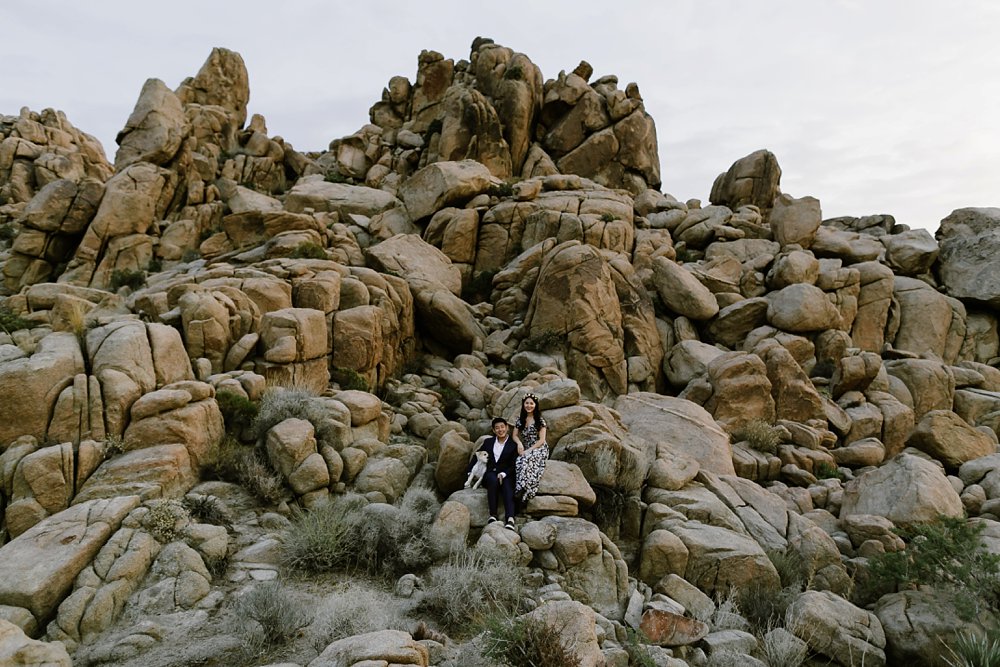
{"points": [[510, 524], [492, 519]]}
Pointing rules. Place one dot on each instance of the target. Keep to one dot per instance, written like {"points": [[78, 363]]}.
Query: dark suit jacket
{"points": [[508, 457]]}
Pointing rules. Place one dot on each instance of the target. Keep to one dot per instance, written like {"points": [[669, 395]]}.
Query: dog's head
{"points": [[483, 456]]}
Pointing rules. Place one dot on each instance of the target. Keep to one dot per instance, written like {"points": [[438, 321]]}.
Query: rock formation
{"points": [[727, 388]]}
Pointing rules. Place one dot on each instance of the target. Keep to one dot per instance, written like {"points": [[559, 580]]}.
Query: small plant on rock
{"points": [[548, 340], [165, 519], [349, 379], [238, 412], [607, 217], [207, 509], [308, 250], [270, 616], [114, 445], [759, 435], [190, 255], [10, 322], [155, 265], [826, 470], [321, 539], [519, 642], [635, 645], [131, 278], [515, 73], [501, 190]]}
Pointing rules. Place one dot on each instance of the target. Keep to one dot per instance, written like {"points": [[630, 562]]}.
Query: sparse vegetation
{"points": [[10, 322], [155, 265], [609, 509], [164, 519], [131, 278], [270, 616], [238, 412], [349, 379], [517, 374], [207, 509], [547, 340], [759, 435], [190, 255], [519, 642], [114, 445], [277, 405], [207, 234], [334, 176], [321, 539], [7, 232], [765, 606], [949, 555], [635, 645], [501, 190], [355, 610], [466, 590], [975, 649], [607, 217], [826, 470], [308, 250]]}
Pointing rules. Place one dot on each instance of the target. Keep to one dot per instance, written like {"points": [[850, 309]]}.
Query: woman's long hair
{"points": [[537, 414]]}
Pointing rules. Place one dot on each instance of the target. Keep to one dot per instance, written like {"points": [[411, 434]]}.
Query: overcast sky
{"points": [[878, 106]]}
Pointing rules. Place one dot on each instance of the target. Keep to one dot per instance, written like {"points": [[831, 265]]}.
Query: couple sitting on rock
{"points": [[515, 460]]}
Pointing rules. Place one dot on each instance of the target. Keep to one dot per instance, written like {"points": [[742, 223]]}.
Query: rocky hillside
{"points": [[218, 348]]}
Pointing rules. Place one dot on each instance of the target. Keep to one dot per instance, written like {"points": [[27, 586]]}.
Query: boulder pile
{"points": [[728, 387]]}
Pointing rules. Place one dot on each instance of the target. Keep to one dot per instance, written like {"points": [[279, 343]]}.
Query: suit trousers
{"points": [[505, 490]]}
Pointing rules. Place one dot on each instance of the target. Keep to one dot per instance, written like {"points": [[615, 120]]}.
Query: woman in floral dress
{"points": [[529, 434]]}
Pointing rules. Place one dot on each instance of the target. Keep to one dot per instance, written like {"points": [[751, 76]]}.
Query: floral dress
{"points": [[530, 466]]}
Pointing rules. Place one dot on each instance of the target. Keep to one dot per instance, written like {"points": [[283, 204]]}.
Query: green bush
{"points": [[519, 642], [548, 340], [514, 73], [759, 435], [207, 509], [308, 250], [10, 322], [979, 649], [155, 265], [190, 255], [269, 617], [607, 217], [826, 470], [321, 539], [517, 374], [349, 379], [238, 412], [279, 404], [131, 278], [470, 587], [947, 554], [7, 232], [636, 647], [765, 606], [501, 190], [114, 445]]}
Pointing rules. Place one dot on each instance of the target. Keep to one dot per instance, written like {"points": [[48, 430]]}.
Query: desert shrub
{"points": [[238, 412], [207, 509], [451, 400], [975, 649], [10, 322], [355, 610], [257, 477], [781, 648], [190, 255], [521, 643], [334, 176], [609, 509], [307, 250], [155, 265], [607, 217], [114, 445], [548, 340], [349, 379], [759, 435], [765, 606], [501, 190], [277, 405], [517, 374], [269, 616], [216, 565], [164, 519], [7, 232], [393, 543], [948, 554], [131, 278], [636, 647], [727, 614], [470, 587], [322, 538], [207, 234], [826, 470]]}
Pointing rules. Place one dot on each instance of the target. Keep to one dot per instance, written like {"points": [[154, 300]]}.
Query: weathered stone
{"points": [[442, 184], [795, 220], [968, 255], [832, 626], [906, 490], [667, 629], [948, 438]]}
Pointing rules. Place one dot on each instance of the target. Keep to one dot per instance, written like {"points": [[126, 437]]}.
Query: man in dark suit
{"points": [[500, 470]]}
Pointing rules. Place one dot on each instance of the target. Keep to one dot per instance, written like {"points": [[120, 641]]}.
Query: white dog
{"points": [[478, 470]]}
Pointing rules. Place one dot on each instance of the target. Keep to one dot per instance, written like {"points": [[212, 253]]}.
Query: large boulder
{"points": [[409, 256], [753, 179], [682, 292], [443, 184], [969, 259], [795, 220], [908, 489], [154, 131], [802, 308], [383, 647], [678, 427], [948, 438], [929, 323], [838, 630], [19, 650]]}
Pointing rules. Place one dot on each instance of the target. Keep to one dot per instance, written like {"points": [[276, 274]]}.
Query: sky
{"points": [[877, 106]]}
